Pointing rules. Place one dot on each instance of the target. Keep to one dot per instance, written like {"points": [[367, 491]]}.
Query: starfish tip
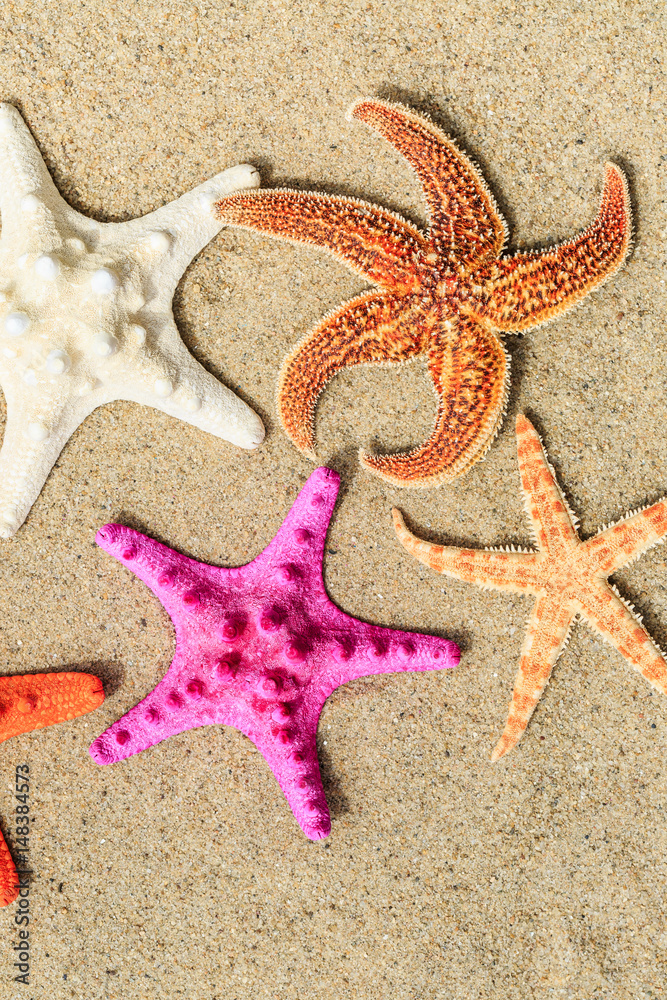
{"points": [[9, 893], [107, 536], [254, 436], [101, 752], [318, 828], [612, 168], [243, 175], [326, 477], [92, 693], [350, 113]]}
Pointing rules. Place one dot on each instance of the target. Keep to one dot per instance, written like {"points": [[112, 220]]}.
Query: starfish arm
{"points": [[531, 288], [294, 556], [466, 226], [363, 650], [375, 328], [36, 431], [610, 616], [491, 570], [161, 714], [551, 518], [28, 196], [169, 709], [470, 372], [625, 541], [378, 244], [546, 635], [176, 580], [167, 240], [174, 382], [297, 771], [9, 881], [34, 701]]}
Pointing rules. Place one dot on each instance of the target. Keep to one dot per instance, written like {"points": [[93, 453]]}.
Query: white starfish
{"points": [[85, 317]]}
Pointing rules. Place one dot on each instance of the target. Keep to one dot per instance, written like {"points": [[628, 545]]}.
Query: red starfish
{"points": [[33, 701], [448, 295]]}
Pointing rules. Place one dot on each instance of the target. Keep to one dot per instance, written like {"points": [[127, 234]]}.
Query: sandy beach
{"points": [[181, 871]]}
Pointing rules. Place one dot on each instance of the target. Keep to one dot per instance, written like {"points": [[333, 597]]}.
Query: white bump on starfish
{"points": [[159, 241], [47, 267], [163, 387], [57, 362], [85, 317], [104, 281], [105, 344], [36, 431], [29, 203], [16, 323]]}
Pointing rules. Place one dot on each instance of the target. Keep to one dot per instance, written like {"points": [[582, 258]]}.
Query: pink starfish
{"points": [[260, 648]]}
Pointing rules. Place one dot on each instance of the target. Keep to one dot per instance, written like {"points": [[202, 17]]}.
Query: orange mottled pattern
{"points": [[529, 288], [447, 294], [33, 701], [567, 576]]}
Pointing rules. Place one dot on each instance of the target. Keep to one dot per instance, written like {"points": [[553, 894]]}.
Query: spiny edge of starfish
{"points": [[640, 621], [574, 520], [399, 524], [369, 206], [431, 482], [561, 308], [510, 548], [311, 452], [440, 134], [626, 517], [495, 756]]}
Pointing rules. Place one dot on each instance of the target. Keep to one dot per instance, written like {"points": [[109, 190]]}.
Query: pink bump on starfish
{"points": [[260, 648]]}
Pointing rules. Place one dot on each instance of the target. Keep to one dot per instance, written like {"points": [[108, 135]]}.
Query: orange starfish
{"points": [[448, 294], [568, 577], [33, 701]]}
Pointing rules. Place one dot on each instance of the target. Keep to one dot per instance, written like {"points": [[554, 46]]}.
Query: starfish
{"points": [[448, 294], [567, 576], [85, 317], [33, 701], [260, 648]]}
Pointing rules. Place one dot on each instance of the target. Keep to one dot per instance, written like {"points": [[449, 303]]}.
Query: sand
{"points": [[181, 872]]}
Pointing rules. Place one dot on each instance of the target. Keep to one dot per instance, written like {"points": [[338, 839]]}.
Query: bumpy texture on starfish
{"points": [[260, 648], [568, 576], [33, 701], [446, 295], [85, 317]]}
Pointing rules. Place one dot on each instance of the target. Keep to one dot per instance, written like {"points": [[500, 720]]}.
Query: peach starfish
{"points": [[568, 577], [448, 295], [34, 701]]}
